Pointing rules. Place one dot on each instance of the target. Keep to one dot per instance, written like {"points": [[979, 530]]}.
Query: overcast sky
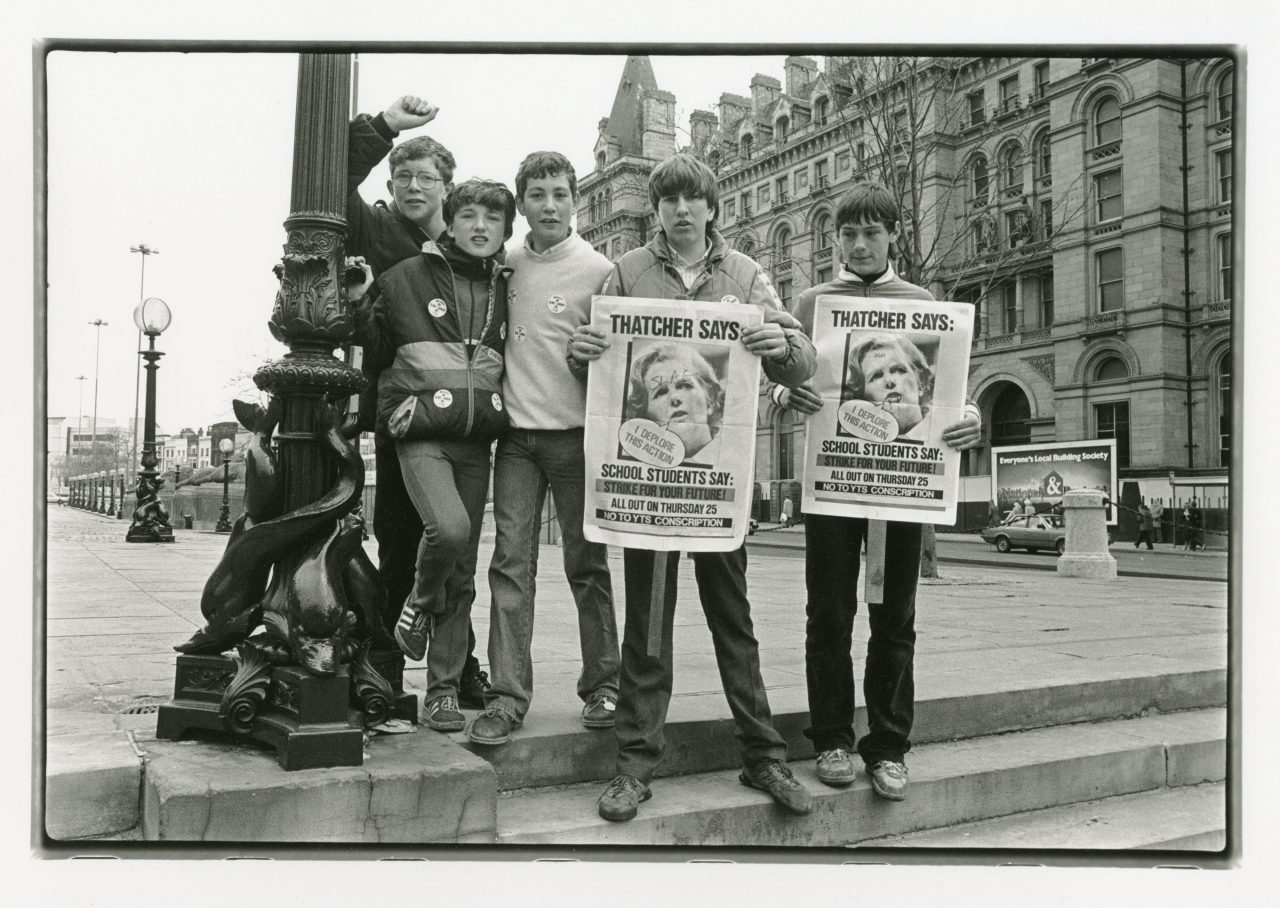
{"points": [[191, 154]]}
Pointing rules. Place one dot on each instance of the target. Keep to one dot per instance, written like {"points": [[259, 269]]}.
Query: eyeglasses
{"points": [[405, 180]]}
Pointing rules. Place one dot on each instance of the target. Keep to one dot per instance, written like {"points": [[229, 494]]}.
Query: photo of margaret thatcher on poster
{"points": [[671, 420], [895, 375]]}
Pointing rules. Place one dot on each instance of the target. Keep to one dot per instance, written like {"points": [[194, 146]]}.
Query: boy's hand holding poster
{"points": [[892, 377], [671, 425]]}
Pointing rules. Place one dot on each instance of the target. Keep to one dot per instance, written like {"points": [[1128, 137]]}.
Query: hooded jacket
{"points": [[728, 276], [439, 383]]}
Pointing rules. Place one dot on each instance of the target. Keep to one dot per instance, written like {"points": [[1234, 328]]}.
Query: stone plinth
{"points": [[1086, 554]]}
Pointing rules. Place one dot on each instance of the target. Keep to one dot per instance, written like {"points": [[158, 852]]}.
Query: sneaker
{"points": [[835, 767], [413, 630], [472, 685], [442, 714], [598, 711], [491, 727], [775, 777], [621, 798], [889, 779]]}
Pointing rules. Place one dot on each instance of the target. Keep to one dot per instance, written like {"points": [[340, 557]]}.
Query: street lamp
{"points": [[226, 446], [97, 344], [142, 282], [150, 518]]}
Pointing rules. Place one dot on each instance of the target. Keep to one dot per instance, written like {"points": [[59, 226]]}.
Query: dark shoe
{"points": [[597, 712], [835, 767], [621, 798], [775, 777], [889, 779], [492, 727], [413, 630], [472, 685], [442, 714]]}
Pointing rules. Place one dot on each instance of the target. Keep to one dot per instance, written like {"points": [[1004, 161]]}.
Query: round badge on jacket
{"points": [[520, 334], [437, 307], [443, 399], [556, 303], [497, 401], [728, 298]]}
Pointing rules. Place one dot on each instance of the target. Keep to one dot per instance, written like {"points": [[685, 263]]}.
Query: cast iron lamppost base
{"points": [[150, 517]]}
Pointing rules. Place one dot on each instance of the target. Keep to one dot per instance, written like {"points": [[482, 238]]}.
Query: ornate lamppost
{"points": [[224, 517], [150, 517]]}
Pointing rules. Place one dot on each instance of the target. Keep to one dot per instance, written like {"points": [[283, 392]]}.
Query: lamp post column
{"points": [[224, 517], [150, 517]]}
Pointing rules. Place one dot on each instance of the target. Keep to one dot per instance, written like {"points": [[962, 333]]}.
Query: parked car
{"points": [[1033, 533]]}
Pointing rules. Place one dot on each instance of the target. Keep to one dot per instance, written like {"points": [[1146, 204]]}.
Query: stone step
{"points": [[557, 750], [1190, 818], [951, 782]]}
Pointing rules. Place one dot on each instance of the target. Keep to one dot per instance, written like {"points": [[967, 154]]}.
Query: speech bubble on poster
{"points": [[648, 442], [865, 420]]}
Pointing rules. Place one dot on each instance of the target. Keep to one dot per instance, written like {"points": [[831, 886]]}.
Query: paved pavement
{"points": [[113, 612]]}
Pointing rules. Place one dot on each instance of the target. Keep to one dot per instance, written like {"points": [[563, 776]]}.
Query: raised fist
{"points": [[409, 112]]}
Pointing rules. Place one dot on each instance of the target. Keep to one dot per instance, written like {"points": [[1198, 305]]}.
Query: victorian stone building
{"points": [[1082, 205]]}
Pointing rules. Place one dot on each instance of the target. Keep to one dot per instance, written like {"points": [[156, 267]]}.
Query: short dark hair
{"points": [[489, 193], [867, 202], [424, 147], [684, 174], [545, 164]]}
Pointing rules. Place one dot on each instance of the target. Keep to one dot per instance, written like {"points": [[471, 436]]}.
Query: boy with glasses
{"points": [[384, 235]]}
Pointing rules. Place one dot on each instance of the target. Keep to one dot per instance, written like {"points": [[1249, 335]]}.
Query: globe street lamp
{"points": [[226, 446], [150, 517]]}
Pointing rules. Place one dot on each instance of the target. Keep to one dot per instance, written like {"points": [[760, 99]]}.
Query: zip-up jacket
{"points": [[439, 383], [728, 276]]}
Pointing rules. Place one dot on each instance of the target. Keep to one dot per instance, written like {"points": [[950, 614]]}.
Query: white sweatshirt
{"points": [[549, 295]]}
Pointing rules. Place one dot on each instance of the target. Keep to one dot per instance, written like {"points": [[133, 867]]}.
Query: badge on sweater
{"points": [[497, 401], [443, 399], [520, 334], [437, 307], [556, 304], [728, 298]]}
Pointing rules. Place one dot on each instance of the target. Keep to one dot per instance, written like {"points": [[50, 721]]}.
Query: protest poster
{"points": [[1037, 476], [671, 425], [892, 376]]}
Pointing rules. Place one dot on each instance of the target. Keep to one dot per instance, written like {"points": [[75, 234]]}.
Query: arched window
{"points": [[600, 159], [782, 243], [822, 232], [1222, 380], [1225, 94], [1010, 418], [745, 244], [820, 108], [608, 199], [1106, 121], [1011, 166], [1041, 158], [746, 147], [980, 180], [780, 128], [1111, 369]]}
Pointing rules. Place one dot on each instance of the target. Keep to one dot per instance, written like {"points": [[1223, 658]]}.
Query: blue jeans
{"points": [[527, 462], [647, 681], [448, 482], [888, 682]]}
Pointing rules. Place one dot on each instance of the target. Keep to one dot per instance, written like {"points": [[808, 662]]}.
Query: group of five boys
{"points": [[470, 345]]}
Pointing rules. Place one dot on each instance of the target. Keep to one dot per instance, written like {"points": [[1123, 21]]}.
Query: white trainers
{"points": [[413, 630]]}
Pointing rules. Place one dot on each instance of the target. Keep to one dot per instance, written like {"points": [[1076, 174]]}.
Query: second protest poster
{"points": [[671, 425], [892, 376]]}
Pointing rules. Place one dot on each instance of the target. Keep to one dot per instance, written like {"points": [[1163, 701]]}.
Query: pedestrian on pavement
{"points": [[1145, 522], [384, 235], [866, 230], [689, 259], [555, 272], [1157, 517], [1195, 525]]}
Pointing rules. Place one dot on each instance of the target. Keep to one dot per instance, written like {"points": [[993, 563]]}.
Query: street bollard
{"points": [[1086, 552]]}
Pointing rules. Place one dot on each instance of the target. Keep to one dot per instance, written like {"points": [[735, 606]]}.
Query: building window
{"points": [[783, 195], [745, 145], [1226, 94], [1011, 166], [1009, 94], [1111, 369], [901, 137], [782, 244], [842, 163], [861, 153], [822, 275], [1223, 162], [762, 197], [1108, 188], [1007, 300], [1223, 377], [1112, 421], [800, 180], [746, 204], [1110, 269], [1010, 418], [1224, 266], [608, 200], [972, 296], [780, 126], [820, 175], [784, 292], [977, 108], [730, 210], [820, 111], [1041, 156], [1015, 227], [822, 232], [980, 181], [984, 236], [1045, 282], [600, 159], [1106, 121], [1046, 219], [745, 245], [1041, 78]]}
